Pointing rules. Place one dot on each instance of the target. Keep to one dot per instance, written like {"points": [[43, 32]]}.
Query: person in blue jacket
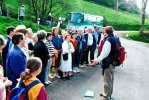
{"points": [[57, 42], [16, 61]]}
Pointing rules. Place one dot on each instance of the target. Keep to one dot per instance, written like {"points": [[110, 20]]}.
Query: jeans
{"points": [[48, 69]]}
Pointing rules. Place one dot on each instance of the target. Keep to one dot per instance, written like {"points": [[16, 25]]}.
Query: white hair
{"points": [[90, 27], [34, 35], [29, 30], [80, 28], [20, 27]]}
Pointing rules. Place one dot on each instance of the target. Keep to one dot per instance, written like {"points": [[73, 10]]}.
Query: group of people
{"points": [[32, 56]]}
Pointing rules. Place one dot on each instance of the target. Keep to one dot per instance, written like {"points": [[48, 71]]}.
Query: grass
{"points": [[135, 36], [6, 22]]}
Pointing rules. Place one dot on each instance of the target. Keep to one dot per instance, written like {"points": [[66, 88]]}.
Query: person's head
{"points": [[80, 31], [10, 31], [73, 30], [18, 39], [34, 66], [24, 31], [73, 35], [41, 34], [49, 36], [64, 33], [55, 31], [67, 38], [96, 28], [89, 30], [30, 33], [35, 38], [109, 30], [85, 29], [20, 27], [2, 42], [103, 29]]}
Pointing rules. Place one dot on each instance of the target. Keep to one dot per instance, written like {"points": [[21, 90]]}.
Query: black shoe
{"points": [[63, 78], [102, 95], [67, 78]]}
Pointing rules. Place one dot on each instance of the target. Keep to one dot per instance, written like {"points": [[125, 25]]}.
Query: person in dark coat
{"points": [[41, 51], [90, 44]]}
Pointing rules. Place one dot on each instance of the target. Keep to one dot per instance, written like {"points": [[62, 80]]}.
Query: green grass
{"points": [[6, 22], [135, 36]]}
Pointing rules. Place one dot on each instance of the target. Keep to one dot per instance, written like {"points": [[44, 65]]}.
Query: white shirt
{"points": [[22, 11], [105, 51], [90, 39]]}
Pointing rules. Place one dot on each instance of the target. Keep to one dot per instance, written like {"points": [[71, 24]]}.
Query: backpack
{"points": [[21, 92], [119, 53]]}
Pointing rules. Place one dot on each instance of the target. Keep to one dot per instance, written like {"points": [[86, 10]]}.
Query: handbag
{"points": [[65, 56]]}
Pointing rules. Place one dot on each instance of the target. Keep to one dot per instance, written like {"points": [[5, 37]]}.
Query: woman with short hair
{"points": [[41, 51], [67, 48]]}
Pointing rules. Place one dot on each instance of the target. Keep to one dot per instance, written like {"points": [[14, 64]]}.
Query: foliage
{"points": [[130, 6], [6, 22], [135, 36], [41, 8]]}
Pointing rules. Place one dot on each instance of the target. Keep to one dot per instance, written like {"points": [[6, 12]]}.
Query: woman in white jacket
{"points": [[67, 47]]}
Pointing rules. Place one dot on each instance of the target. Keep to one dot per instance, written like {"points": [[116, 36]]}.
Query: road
{"points": [[131, 81]]}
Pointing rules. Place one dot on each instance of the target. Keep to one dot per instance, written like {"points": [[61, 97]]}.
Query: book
{"points": [[89, 93]]}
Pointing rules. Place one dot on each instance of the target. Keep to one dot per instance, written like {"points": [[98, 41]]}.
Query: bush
{"points": [[6, 22], [135, 36]]}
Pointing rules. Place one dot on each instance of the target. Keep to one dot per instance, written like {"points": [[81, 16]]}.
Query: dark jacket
{"points": [[109, 59], [5, 52], [94, 40], [15, 64], [99, 37], [81, 39], [41, 51]]}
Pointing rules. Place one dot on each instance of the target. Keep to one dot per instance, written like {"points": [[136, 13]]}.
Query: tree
{"points": [[144, 4], [41, 8], [130, 6]]}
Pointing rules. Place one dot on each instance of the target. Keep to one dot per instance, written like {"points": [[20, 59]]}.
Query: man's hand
{"points": [[94, 62]]}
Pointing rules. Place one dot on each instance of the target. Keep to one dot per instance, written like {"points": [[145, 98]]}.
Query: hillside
{"points": [[121, 21], [124, 20], [6, 22]]}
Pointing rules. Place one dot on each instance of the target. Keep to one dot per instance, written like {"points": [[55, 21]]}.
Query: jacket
{"points": [[41, 51], [15, 64]]}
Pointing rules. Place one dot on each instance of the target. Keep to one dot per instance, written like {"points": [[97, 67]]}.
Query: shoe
{"points": [[63, 78], [102, 95], [67, 78], [74, 70], [71, 74], [46, 83], [58, 76], [49, 82], [81, 66], [51, 76], [77, 69]]}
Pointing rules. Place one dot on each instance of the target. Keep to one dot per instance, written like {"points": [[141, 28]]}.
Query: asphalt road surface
{"points": [[131, 81]]}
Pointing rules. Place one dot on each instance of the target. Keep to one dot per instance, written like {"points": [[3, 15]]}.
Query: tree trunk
{"points": [[144, 4]]}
